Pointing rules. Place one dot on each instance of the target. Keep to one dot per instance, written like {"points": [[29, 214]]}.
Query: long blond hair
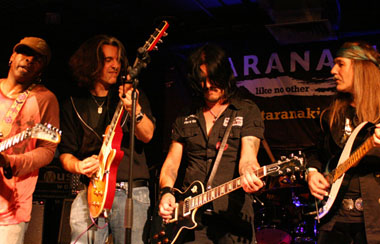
{"points": [[366, 84]]}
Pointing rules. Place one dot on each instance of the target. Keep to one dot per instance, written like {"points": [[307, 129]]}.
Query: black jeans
{"points": [[344, 233], [220, 229]]}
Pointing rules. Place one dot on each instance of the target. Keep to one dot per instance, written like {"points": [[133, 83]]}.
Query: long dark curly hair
{"points": [[87, 62]]}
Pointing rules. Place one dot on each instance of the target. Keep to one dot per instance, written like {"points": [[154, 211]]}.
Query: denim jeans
{"points": [[13, 234], [80, 220]]}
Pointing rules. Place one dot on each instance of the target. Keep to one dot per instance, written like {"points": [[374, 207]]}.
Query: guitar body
{"points": [[180, 219], [347, 160], [101, 190]]}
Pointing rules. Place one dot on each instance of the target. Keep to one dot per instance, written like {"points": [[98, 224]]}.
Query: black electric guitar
{"points": [[346, 161], [194, 197]]}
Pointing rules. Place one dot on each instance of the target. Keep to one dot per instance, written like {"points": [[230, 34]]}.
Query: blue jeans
{"points": [[13, 234], [80, 220]]}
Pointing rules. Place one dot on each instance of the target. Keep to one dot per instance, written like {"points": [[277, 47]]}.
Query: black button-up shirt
{"points": [[200, 150]]}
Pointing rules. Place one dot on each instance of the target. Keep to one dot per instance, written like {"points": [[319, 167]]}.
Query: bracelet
{"points": [[166, 189], [308, 170]]}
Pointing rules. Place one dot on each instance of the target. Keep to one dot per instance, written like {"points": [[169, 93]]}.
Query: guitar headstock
{"points": [[160, 31], [45, 132], [287, 165]]}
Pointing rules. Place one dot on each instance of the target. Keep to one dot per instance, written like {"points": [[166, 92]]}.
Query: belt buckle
{"points": [[348, 204], [359, 204], [122, 185]]}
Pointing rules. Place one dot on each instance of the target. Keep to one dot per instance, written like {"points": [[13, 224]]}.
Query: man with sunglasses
{"points": [[24, 102], [197, 135]]}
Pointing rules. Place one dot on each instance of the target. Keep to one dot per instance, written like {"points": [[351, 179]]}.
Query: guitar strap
{"points": [[221, 149], [6, 122]]}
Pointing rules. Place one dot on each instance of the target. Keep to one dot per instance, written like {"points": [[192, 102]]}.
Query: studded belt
{"points": [[351, 204]]}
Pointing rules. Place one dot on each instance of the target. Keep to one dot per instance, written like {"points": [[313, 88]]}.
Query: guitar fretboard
{"points": [[4, 145], [219, 191], [118, 112], [353, 159]]}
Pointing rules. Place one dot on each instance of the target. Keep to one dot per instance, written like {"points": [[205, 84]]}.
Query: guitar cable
{"points": [[92, 224]]}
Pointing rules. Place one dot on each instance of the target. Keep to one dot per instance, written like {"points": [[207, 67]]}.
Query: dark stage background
{"points": [[281, 53]]}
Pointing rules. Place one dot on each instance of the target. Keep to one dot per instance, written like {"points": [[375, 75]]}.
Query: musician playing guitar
{"points": [[97, 66], [24, 102], [196, 136], [353, 216]]}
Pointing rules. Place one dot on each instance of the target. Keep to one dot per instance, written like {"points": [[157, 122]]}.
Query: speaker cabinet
{"points": [[64, 236], [34, 232]]}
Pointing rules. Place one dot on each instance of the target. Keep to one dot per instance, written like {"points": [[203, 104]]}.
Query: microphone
{"points": [[123, 79]]}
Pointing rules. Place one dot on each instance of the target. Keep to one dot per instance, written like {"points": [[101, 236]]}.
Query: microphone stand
{"points": [[141, 62]]}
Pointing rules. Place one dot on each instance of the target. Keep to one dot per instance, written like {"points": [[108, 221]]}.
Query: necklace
{"points": [[215, 116], [100, 106]]}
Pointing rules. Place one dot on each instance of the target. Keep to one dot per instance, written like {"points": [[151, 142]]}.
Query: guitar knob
{"points": [[162, 233], [166, 240], [155, 236]]}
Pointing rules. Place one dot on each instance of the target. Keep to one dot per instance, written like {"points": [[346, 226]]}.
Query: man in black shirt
{"points": [[197, 134], [97, 65]]}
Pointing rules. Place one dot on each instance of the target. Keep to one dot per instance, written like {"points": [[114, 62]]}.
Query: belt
{"points": [[351, 204], [123, 185]]}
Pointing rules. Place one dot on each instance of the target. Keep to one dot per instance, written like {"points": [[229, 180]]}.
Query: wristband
{"points": [[308, 170], [165, 190], [139, 117]]}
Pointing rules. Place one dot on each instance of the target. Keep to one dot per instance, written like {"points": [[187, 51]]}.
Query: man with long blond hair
{"points": [[354, 216]]}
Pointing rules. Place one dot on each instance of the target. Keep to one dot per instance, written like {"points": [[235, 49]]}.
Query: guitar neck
{"points": [[114, 122], [223, 189], [353, 160], [10, 142]]}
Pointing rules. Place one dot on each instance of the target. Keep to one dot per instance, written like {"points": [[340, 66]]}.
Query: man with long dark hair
{"points": [[97, 66], [355, 214], [196, 136]]}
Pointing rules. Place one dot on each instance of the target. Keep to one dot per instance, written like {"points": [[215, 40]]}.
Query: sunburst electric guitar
{"points": [[346, 161], [101, 189], [194, 197]]}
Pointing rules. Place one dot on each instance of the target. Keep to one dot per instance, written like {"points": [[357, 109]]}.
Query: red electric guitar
{"points": [[101, 190]]}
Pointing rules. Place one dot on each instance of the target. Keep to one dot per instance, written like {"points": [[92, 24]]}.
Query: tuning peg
{"points": [[160, 41], [293, 178], [283, 158], [165, 34]]}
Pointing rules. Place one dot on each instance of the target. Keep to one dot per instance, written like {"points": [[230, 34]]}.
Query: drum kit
{"points": [[284, 213]]}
